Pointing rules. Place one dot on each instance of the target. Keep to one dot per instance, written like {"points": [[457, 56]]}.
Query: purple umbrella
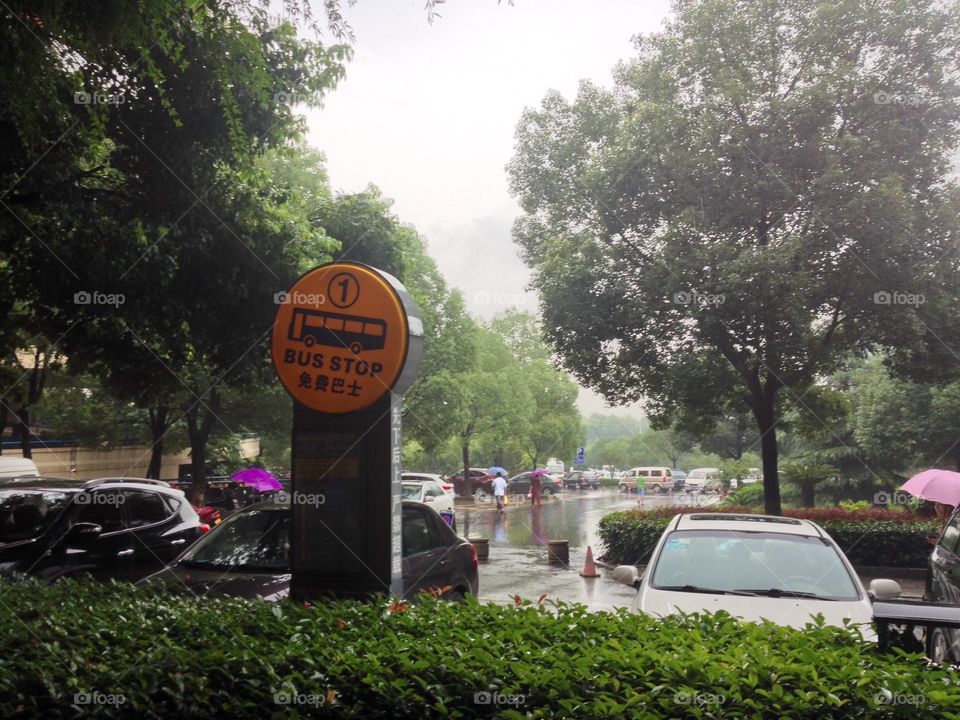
{"points": [[259, 479], [942, 486], [539, 472]]}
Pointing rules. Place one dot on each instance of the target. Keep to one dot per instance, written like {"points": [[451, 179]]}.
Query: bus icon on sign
{"points": [[313, 327]]}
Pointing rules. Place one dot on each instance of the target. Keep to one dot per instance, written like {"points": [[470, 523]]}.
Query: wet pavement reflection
{"points": [[518, 545]]}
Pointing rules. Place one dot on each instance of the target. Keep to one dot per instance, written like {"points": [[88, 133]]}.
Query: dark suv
{"points": [[943, 586], [111, 528], [578, 479]]}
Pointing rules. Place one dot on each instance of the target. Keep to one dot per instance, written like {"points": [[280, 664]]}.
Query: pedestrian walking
{"points": [[535, 483], [499, 490]]}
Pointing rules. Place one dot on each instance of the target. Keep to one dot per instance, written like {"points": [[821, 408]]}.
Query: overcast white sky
{"points": [[427, 113]]}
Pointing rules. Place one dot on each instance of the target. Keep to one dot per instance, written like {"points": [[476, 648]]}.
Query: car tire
{"points": [[622, 488], [938, 647]]}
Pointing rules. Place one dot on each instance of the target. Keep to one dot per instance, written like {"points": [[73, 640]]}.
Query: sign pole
{"points": [[346, 345]]}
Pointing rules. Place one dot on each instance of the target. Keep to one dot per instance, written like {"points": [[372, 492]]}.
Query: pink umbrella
{"points": [[259, 479], [942, 486], [539, 472]]}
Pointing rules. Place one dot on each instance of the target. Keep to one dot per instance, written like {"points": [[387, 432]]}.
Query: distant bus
{"points": [[313, 327]]}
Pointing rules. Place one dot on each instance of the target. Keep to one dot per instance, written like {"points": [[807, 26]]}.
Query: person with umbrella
{"points": [[942, 487], [536, 482], [499, 490]]}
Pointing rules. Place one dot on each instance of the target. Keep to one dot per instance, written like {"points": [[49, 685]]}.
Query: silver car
{"points": [[755, 567]]}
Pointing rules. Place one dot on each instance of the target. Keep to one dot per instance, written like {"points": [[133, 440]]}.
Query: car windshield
{"points": [[756, 563], [25, 513], [410, 491], [253, 540]]}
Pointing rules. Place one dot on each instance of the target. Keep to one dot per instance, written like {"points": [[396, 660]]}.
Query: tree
{"points": [[806, 476], [757, 197]]}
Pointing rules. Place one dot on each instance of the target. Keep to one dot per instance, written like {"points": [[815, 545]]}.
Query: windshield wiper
{"points": [[697, 589], [781, 592]]}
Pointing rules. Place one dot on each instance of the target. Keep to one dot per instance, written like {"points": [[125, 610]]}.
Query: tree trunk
{"points": [[23, 428], [158, 428], [765, 414], [808, 494], [4, 416], [199, 432]]}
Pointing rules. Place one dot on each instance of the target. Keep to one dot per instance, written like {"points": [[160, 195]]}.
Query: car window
{"points": [[26, 513], [100, 507], [655, 473], [419, 533], [253, 540], [758, 561], [433, 490], [410, 491], [951, 533], [144, 508]]}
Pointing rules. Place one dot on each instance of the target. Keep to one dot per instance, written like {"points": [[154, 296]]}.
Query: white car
{"points": [[701, 479], [420, 477], [429, 492], [754, 567]]}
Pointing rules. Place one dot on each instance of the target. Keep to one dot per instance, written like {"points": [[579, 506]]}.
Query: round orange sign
{"points": [[341, 337]]}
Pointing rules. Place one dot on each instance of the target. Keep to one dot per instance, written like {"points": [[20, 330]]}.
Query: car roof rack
{"points": [[36, 480], [144, 481]]}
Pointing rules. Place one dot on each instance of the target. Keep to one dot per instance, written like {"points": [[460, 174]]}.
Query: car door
{"points": [[427, 559], [158, 537], [108, 555], [944, 578], [436, 497], [520, 485]]}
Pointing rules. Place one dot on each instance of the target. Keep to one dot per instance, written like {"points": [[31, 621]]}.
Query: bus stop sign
{"points": [[341, 339]]}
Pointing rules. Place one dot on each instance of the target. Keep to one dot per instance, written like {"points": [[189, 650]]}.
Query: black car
{"points": [[248, 555], [520, 485], [578, 479], [112, 528], [943, 586]]}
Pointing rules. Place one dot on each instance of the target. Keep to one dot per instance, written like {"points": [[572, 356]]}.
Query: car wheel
{"points": [[938, 647], [455, 596], [658, 489], [622, 488]]}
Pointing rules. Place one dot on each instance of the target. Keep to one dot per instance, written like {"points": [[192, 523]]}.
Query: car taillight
{"points": [[204, 528], [446, 487], [473, 557]]}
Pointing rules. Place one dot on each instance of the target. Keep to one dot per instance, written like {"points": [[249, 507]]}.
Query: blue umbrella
{"points": [[497, 469]]}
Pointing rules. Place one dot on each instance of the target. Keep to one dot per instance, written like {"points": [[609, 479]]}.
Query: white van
{"points": [[11, 467], [655, 479], [554, 466], [703, 479]]}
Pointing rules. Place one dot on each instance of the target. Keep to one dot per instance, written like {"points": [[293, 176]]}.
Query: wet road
{"points": [[518, 545]]}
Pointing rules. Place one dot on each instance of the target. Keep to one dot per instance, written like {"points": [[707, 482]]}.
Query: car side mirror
{"points": [[883, 589], [84, 532], [627, 575]]}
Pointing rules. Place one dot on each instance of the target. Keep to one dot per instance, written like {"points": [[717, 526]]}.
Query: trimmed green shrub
{"points": [[138, 653], [888, 538]]}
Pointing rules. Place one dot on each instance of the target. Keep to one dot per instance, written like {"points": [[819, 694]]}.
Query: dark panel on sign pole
{"points": [[345, 498]]}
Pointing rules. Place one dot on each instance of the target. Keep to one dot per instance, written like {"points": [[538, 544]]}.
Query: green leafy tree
{"points": [[741, 199], [806, 476]]}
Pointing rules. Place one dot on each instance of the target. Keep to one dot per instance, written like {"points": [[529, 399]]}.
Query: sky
{"points": [[427, 113]]}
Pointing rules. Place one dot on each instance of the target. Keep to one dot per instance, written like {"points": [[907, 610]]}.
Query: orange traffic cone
{"points": [[589, 568]]}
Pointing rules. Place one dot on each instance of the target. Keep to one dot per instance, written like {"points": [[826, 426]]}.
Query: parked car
{"points": [[655, 479], [111, 528], [754, 567], [249, 556], [943, 585], [419, 477], [465, 489], [11, 467], [428, 491], [578, 479], [520, 485], [703, 479]]}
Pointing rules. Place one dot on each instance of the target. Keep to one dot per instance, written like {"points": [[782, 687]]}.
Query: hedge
{"points": [[887, 538], [83, 649]]}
